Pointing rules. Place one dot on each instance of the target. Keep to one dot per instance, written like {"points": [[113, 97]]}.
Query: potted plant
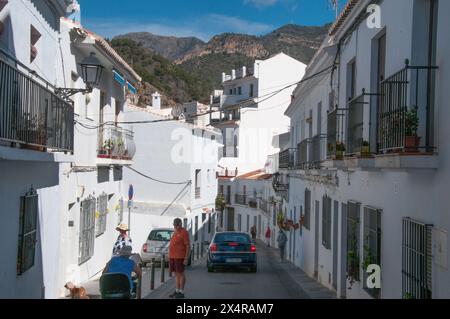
{"points": [[220, 202], [365, 148], [330, 147], [340, 150], [107, 147], [412, 141]]}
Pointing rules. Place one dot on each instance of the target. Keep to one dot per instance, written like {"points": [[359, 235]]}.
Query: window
{"points": [[307, 221], [372, 244], [209, 223], [251, 90], [198, 176], [351, 80], [185, 110], [231, 92], [221, 189], [196, 229], [228, 194], [248, 223], [203, 217], [326, 222], [234, 91], [27, 231], [353, 234], [416, 260], [239, 222], [239, 90], [100, 214], [87, 229], [160, 235]]}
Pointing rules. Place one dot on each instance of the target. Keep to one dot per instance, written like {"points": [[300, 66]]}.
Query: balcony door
{"points": [[230, 219], [101, 118]]}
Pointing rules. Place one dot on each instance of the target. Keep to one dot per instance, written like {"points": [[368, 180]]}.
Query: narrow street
{"points": [[270, 282]]}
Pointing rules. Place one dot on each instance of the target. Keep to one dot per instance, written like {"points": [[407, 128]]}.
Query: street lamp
{"points": [[91, 73]]}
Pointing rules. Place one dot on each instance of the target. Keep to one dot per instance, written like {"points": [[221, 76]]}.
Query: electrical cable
{"points": [[176, 197], [157, 180]]}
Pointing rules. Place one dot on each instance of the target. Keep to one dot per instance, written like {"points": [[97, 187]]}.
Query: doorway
{"points": [[230, 224]]}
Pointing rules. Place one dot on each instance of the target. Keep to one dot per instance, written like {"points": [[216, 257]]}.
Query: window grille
{"points": [[100, 215], [372, 244], [307, 222], [416, 260], [326, 222], [353, 240], [87, 229], [27, 231]]}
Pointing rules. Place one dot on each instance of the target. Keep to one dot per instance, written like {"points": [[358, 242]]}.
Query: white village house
{"points": [[249, 112], [365, 194], [61, 183]]}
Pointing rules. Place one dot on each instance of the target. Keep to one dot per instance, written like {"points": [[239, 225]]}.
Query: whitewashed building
{"points": [[250, 113], [365, 194], [174, 171], [61, 182]]}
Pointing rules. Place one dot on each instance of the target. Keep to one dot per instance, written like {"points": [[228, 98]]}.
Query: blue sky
{"points": [[200, 18]]}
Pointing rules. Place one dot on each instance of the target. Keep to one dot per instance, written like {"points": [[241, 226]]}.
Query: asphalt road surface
{"points": [[270, 282]]}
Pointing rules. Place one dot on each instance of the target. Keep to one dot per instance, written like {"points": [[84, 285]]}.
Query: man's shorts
{"points": [[176, 265]]}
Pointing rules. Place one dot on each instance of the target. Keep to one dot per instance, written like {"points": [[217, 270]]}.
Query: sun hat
{"points": [[123, 227]]}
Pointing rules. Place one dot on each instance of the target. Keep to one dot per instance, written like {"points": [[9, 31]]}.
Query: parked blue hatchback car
{"points": [[231, 250]]}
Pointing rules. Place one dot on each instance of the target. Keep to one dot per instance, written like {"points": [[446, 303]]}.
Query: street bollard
{"points": [[163, 267], [152, 275]]}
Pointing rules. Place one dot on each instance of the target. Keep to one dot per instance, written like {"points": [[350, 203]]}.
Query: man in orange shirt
{"points": [[179, 254]]}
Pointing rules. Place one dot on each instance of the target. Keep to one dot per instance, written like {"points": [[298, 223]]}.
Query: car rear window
{"points": [[160, 235], [232, 238]]}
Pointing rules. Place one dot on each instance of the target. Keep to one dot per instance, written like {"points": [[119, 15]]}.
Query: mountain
{"points": [[171, 48], [159, 74], [197, 66]]}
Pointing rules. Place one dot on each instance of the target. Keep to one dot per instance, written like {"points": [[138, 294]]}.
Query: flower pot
{"points": [[339, 155], [412, 143]]}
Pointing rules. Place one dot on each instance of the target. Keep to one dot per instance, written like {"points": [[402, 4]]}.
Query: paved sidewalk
{"points": [[312, 288]]}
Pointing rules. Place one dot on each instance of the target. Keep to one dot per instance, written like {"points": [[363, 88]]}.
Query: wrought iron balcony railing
{"points": [[302, 154], [406, 110], [116, 143], [240, 199], [31, 114], [287, 158]]}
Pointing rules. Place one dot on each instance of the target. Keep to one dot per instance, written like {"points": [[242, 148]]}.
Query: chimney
{"points": [[233, 74], [244, 71], [156, 100]]}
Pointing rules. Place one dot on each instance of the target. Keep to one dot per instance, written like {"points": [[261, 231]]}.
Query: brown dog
{"points": [[76, 292]]}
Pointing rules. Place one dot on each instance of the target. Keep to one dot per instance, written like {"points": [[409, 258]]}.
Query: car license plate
{"points": [[233, 260]]}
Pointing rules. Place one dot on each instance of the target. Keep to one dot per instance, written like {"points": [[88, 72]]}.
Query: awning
{"points": [[131, 88], [119, 78]]}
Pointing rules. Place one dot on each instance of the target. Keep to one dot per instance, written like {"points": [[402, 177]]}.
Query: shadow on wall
{"points": [[17, 179]]}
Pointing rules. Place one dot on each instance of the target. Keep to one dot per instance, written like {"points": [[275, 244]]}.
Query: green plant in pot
{"points": [[108, 146], [220, 202], [412, 141], [365, 148], [340, 150]]}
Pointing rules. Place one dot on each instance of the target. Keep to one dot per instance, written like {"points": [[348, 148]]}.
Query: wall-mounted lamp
{"points": [[91, 72]]}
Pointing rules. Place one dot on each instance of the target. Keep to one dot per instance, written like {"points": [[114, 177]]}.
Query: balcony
{"points": [[240, 199], [287, 158], [280, 183], [406, 112], [116, 146], [31, 115], [316, 151], [302, 154]]}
